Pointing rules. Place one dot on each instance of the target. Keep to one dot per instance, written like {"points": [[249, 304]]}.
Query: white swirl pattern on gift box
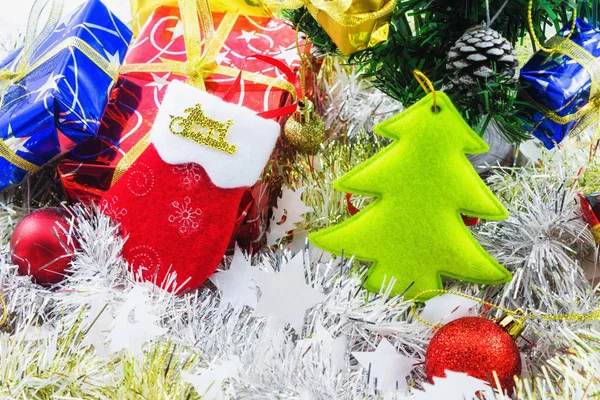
{"points": [[289, 55]]}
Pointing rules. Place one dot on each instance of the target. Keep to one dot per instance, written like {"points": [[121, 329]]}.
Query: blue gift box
{"points": [[561, 83], [58, 100]]}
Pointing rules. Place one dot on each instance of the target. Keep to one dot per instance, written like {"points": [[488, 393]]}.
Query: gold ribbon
{"points": [[24, 67], [588, 114], [130, 158]]}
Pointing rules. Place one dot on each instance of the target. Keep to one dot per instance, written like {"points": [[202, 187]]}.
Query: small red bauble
{"points": [[476, 346], [41, 245], [469, 221]]}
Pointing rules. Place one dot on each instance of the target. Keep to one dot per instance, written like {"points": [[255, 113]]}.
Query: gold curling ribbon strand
{"points": [[593, 315], [15, 159], [4, 311]]}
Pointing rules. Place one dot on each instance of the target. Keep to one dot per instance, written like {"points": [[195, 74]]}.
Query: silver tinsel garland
{"points": [[46, 346]]}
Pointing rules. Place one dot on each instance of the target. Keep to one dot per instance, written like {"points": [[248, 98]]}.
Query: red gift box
{"points": [[89, 171]]}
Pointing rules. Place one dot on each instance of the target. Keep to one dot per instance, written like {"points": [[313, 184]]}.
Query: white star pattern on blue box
{"points": [[60, 104]]}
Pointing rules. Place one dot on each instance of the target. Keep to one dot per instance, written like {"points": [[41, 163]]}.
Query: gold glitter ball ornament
{"points": [[305, 129]]}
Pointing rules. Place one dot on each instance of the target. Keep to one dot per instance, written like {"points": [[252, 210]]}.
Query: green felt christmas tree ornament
{"points": [[423, 181]]}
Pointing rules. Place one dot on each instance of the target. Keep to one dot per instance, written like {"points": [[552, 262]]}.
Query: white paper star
{"points": [[248, 36], [289, 55], [135, 323], [386, 365], [237, 284], [177, 30], [291, 208], [273, 24], [209, 382], [159, 81], [98, 321], [447, 307], [456, 386], [51, 84], [336, 348], [285, 295]]}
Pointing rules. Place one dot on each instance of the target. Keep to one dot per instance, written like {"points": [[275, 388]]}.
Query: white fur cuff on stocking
{"points": [[234, 155]]}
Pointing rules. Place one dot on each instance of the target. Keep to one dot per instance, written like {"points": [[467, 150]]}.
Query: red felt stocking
{"points": [[178, 202]]}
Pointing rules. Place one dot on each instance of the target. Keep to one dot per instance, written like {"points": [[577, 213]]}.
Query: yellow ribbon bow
{"points": [[201, 62], [23, 66]]}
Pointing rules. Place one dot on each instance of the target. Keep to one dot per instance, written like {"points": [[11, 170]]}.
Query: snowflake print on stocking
{"points": [[110, 209], [185, 216], [190, 172]]}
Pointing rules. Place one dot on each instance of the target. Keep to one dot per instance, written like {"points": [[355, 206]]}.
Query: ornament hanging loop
{"points": [[427, 87]]}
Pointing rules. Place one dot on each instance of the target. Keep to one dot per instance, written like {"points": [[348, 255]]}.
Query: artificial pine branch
{"points": [[423, 31]]}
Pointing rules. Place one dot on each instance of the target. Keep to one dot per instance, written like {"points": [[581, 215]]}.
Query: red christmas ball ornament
{"points": [[469, 221], [478, 347], [42, 246]]}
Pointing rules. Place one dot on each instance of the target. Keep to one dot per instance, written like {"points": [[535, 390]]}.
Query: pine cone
{"points": [[479, 55]]}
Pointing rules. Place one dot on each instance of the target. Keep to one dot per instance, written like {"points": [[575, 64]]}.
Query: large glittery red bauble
{"points": [[476, 346], [41, 245]]}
